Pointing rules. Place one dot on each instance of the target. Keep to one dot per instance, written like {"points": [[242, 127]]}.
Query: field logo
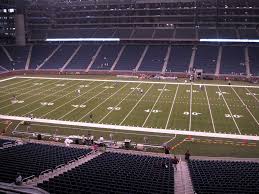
{"points": [[79, 106], [17, 101], [108, 87], [84, 86], [251, 94], [234, 116], [193, 91], [60, 85], [153, 111], [47, 103], [37, 84], [222, 92], [193, 113], [161, 89], [114, 108]]}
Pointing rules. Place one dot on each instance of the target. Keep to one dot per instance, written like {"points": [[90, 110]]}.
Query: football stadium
{"points": [[129, 96]]}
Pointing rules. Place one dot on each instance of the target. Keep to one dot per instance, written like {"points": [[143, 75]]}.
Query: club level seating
{"points": [[207, 33], [179, 58], [19, 54], [83, 57], [227, 33], [185, 33], [130, 57], [31, 159], [206, 58], [39, 54], [116, 173], [122, 33], [60, 57], [3, 141], [248, 33], [254, 60], [224, 177], [234, 64], [103, 33], [143, 33], [164, 33], [154, 58], [106, 57]]}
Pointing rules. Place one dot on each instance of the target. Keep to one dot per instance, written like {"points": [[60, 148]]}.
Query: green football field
{"points": [[141, 105]]}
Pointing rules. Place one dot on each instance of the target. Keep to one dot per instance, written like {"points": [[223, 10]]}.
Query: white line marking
{"points": [[230, 112], [10, 78], [212, 120], [103, 102], [169, 116], [136, 104], [13, 83], [131, 81], [153, 106], [119, 103], [253, 95], [190, 113], [19, 86], [34, 100], [69, 112], [28, 96], [56, 98], [70, 100], [245, 106], [128, 128]]}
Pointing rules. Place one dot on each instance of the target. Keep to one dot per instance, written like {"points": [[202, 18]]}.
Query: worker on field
{"points": [[78, 92], [220, 94]]}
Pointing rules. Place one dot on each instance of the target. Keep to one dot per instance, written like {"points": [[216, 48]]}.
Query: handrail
{"points": [[59, 166], [71, 161], [27, 178], [48, 170]]}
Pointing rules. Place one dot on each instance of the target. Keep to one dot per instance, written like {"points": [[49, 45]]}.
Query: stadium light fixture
{"points": [[231, 40], [82, 39]]}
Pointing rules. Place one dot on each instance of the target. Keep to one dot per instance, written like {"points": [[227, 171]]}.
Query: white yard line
{"points": [[119, 103], [230, 112], [103, 102], [245, 106], [28, 96], [171, 110], [17, 82], [20, 87], [252, 95], [211, 117], [10, 78], [136, 105], [70, 100], [72, 110], [132, 81], [153, 106], [27, 104], [55, 99], [190, 113], [129, 128]]}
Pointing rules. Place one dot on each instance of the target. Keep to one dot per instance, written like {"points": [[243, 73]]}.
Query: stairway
{"points": [[182, 179]]}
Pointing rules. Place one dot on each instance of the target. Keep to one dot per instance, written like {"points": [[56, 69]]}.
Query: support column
{"points": [[194, 48], [166, 59], [247, 63], [218, 61]]}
